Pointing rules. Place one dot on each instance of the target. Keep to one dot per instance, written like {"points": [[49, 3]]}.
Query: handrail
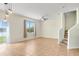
{"points": [[73, 27], [73, 36]]}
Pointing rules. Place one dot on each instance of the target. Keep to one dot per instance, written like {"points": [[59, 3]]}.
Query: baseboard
{"points": [[25, 39], [49, 38], [76, 47]]}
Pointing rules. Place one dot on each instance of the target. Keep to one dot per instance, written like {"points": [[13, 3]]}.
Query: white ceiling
{"points": [[37, 10]]}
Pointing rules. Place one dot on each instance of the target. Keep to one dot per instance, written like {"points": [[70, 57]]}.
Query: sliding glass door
{"points": [[4, 31], [29, 29]]}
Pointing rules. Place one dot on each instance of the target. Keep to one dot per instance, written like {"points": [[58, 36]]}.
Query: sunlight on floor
{"points": [[31, 48], [3, 47]]}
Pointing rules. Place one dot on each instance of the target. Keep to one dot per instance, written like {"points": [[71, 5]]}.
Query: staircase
{"points": [[64, 42]]}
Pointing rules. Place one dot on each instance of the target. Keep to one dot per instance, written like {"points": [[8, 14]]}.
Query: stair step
{"points": [[66, 30], [65, 36], [64, 42], [65, 39], [66, 33]]}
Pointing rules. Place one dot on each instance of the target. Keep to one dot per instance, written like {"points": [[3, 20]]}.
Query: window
{"points": [[3, 30], [29, 28]]}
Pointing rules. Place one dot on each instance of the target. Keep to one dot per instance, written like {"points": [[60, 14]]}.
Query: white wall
{"points": [[38, 29], [51, 26], [70, 19], [16, 26], [2, 14], [73, 39]]}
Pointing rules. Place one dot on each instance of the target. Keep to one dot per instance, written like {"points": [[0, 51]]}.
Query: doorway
{"points": [[4, 31], [29, 29], [70, 19], [69, 22]]}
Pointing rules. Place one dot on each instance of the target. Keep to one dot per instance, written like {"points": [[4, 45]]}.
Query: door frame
{"points": [[62, 26], [25, 32]]}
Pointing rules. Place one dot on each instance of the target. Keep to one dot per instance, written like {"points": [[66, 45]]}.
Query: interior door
{"points": [[30, 29]]}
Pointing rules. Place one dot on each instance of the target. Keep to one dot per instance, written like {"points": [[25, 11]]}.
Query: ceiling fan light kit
{"points": [[7, 9]]}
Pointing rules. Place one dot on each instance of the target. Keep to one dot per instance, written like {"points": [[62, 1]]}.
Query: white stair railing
{"points": [[73, 37]]}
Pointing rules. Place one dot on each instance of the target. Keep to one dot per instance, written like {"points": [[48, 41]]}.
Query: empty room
{"points": [[39, 29]]}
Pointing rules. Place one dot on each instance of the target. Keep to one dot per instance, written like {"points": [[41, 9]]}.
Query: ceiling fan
{"points": [[7, 9], [44, 18]]}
